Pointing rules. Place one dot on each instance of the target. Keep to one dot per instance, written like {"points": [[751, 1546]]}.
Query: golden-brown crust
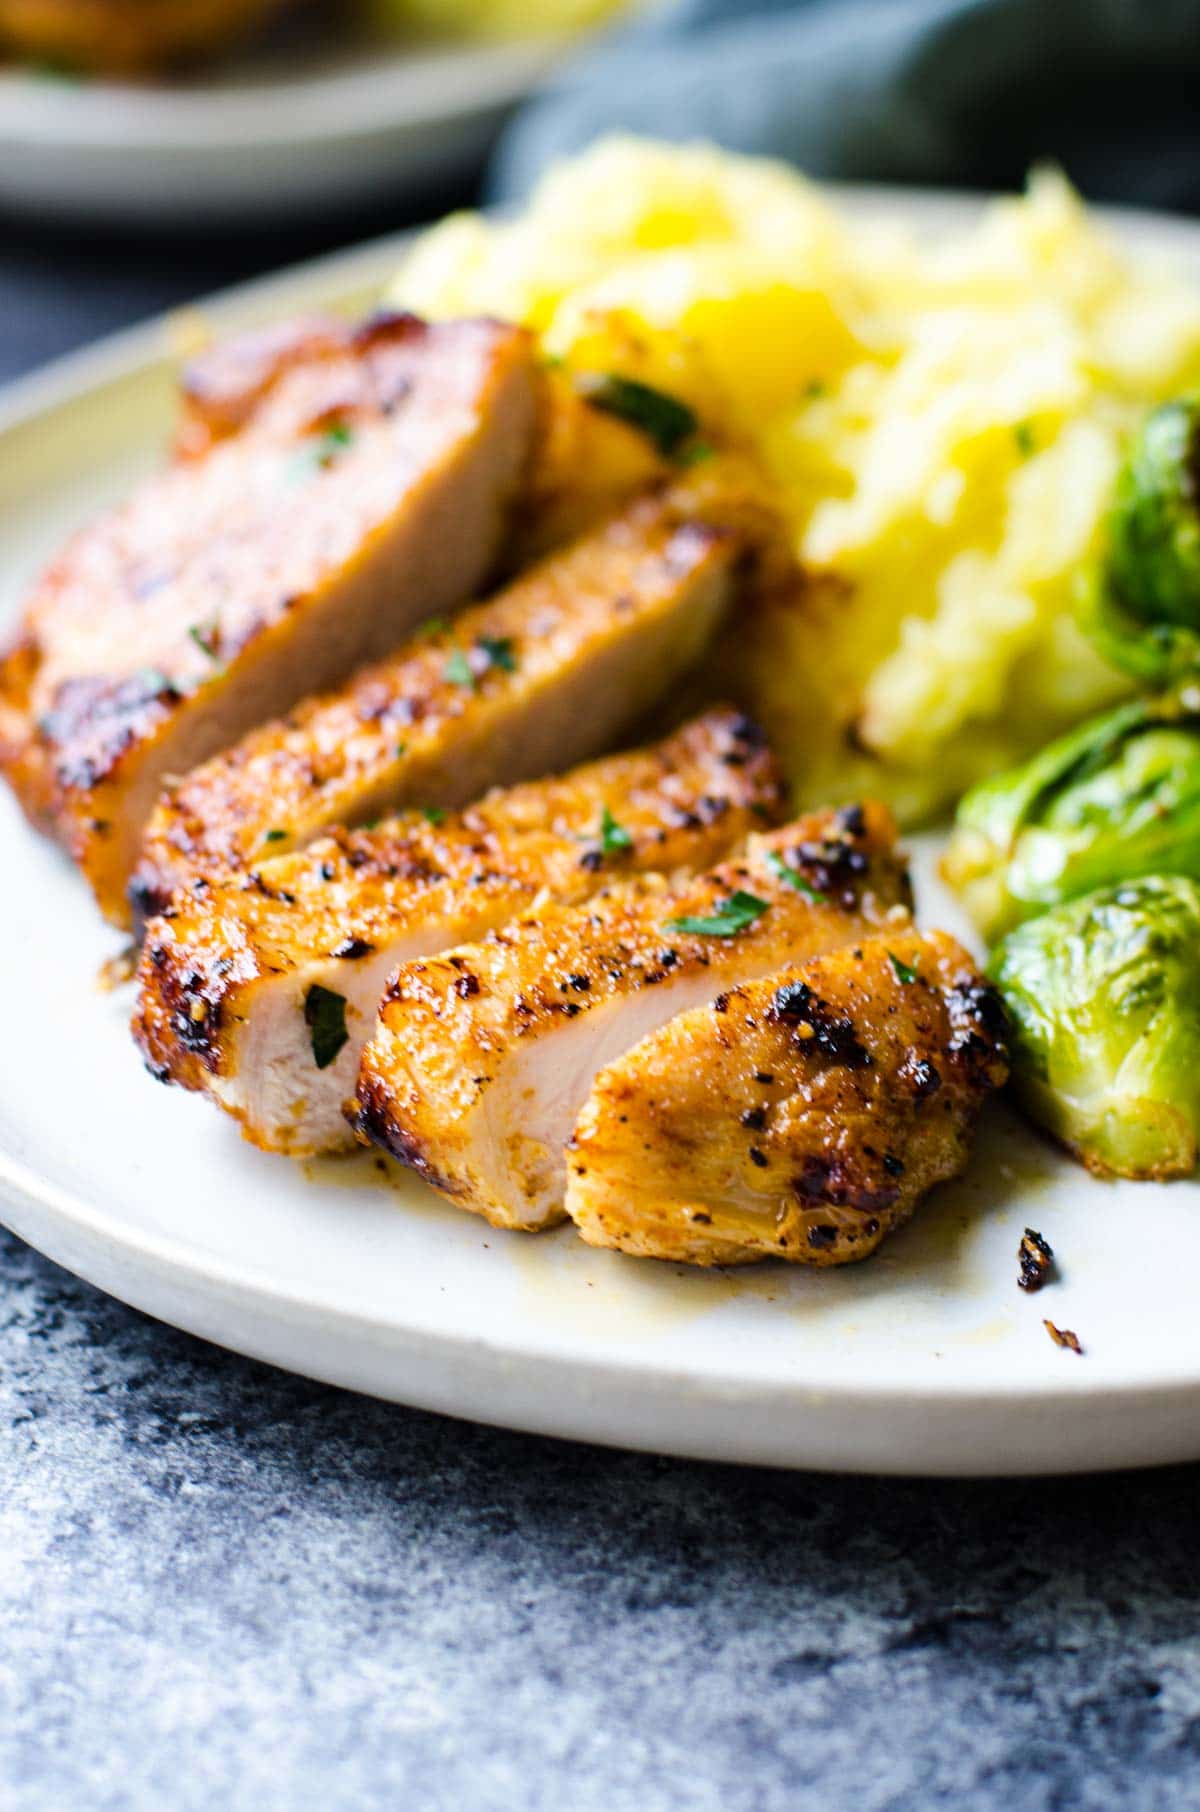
{"points": [[617, 940], [159, 631], [680, 802], [586, 465], [451, 1027], [20, 759], [408, 730], [222, 387], [802, 1116]]}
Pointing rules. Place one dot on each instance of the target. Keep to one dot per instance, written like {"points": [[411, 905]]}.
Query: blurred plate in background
{"points": [[282, 133]]}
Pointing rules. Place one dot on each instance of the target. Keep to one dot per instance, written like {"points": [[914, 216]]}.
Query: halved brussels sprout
{"points": [[1143, 609], [1116, 798], [1103, 995]]}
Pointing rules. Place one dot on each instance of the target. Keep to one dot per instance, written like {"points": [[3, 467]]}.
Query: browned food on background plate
{"points": [[553, 669], [484, 1057], [126, 36], [369, 485], [802, 1116], [228, 984]]}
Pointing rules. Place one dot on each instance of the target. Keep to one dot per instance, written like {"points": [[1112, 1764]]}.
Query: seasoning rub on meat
{"points": [[554, 668], [484, 1056], [362, 481], [802, 1116], [262, 990]]}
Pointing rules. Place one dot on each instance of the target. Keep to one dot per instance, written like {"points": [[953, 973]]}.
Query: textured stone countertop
{"points": [[223, 1589]]}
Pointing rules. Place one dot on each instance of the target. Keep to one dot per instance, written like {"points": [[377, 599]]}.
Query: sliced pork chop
{"points": [[369, 486], [802, 1116], [222, 387], [553, 669], [484, 1057], [261, 990]]}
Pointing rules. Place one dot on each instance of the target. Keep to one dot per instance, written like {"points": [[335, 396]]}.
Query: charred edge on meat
{"points": [[841, 1184], [372, 1124], [813, 1023]]}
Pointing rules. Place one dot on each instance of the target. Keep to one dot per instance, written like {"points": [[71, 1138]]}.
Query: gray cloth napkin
{"points": [[968, 92]]}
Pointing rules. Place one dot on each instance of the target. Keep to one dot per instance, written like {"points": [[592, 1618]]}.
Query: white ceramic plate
{"points": [[925, 1359], [276, 135]]}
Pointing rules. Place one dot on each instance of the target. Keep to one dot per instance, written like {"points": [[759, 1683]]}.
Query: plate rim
{"points": [[429, 83], [64, 1216]]}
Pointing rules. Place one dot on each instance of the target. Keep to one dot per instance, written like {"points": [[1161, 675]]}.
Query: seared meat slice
{"points": [[551, 670], [368, 486], [226, 982], [802, 1116], [221, 388], [484, 1057]]}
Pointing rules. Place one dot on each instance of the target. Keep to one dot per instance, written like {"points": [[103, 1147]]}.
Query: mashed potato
{"points": [[493, 18], [941, 421]]}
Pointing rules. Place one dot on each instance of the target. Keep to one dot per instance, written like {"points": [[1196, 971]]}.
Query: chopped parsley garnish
{"points": [[458, 669], [325, 1017], [614, 838], [320, 450], [792, 876], [204, 636], [696, 453], [432, 626], [813, 389], [400, 750], [667, 421], [732, 915], [903, 971], [499, 650], [274, 836], [1025, 438], [433, 814]]}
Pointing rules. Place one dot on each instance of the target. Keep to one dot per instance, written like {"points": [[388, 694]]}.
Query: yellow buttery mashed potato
{"points": [[492, 18], [940, 416]]}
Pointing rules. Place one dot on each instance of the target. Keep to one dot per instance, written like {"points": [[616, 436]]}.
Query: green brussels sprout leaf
{"points": [[1103, 996], [1116, 798], [1143, 610]]}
